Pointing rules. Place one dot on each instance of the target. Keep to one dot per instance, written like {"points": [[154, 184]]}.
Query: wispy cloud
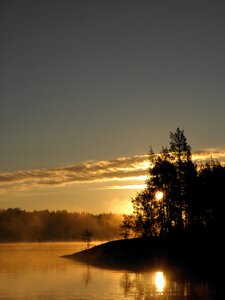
{"points": [[207, 154], [124, 187], [119, 169], [124, 168]]}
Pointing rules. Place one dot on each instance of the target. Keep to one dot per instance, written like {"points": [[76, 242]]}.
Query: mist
{"points": [[18, 225]]}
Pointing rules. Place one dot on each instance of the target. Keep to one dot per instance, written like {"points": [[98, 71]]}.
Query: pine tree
{"points": [[173, 174]]}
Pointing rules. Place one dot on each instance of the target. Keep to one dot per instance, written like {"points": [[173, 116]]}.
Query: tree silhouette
{"points": [[192, 197], [126, 226], [86, 237], [209, 204], [19, 225], [173, 173]]}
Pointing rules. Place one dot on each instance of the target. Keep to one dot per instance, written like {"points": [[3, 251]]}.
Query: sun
{"points": [[159, 195]]}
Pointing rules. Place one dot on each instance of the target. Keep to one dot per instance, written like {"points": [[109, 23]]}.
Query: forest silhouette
{"points": [[177, 220], [18, 225], [180, 198]]}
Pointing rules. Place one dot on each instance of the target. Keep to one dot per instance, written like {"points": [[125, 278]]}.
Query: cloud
{"points": [[207, 154], [124, 187], [124, 168], [119, 169]]}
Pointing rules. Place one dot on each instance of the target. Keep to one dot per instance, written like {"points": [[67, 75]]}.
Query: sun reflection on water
{"points": [[159, 282]]}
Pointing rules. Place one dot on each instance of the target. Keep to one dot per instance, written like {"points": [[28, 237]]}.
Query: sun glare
{"points": [[128, 208], [159, 195], [159, 282], [122, 207]]}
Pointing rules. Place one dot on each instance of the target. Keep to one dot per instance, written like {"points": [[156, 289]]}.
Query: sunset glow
{"points": [[126, 187], [112, 135], [89, 178]]}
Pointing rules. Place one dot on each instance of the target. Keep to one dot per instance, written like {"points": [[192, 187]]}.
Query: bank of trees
{"points": [[20, 225], [180, 196]]}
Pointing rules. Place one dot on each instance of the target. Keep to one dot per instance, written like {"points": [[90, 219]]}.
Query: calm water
{"points": [[36, 271]]}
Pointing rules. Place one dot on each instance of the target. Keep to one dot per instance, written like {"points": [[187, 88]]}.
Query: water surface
{"points": [[36, 271]]}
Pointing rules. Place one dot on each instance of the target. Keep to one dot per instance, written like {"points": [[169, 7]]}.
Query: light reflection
{"points": [[39, 266], [159, 282]]}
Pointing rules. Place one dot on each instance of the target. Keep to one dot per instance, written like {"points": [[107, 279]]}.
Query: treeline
{"points": [[181, 198], [18, 225]]}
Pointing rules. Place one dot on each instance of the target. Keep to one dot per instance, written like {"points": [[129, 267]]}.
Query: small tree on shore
{"points": [[126, 227], [86, 237]]}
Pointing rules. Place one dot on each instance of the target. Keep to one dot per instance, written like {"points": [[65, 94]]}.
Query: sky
{"points": [[87, 86]]}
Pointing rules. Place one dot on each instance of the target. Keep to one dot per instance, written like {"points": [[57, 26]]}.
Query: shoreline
{"points": [[141, 255]]}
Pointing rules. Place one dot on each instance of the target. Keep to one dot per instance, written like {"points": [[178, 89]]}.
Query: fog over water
{"points": [[47, 226], [36, 271]]}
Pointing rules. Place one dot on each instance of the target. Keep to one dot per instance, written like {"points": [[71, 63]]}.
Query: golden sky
{"points": [[93, 83], [83, 186]]}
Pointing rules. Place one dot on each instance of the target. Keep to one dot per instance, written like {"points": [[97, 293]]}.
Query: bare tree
{"points": [[86, 237]]}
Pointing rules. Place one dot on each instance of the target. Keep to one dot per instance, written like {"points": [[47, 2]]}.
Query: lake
{"points": [[36, 271]]}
